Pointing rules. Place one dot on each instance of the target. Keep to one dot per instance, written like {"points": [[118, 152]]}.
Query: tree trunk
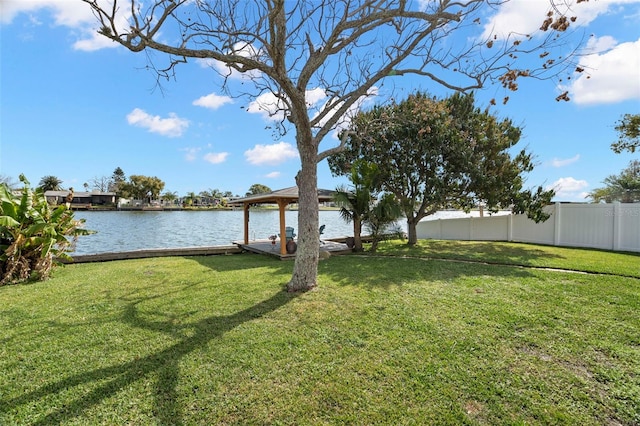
{"points": [[411, 229], [357, 234], [305, 269]]}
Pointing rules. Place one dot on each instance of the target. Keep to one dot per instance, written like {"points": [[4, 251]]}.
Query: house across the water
{"points": [[84, 200]]}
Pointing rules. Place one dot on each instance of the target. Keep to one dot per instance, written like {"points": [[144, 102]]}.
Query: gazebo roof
{"points": [[289, 195], [281, 197]]}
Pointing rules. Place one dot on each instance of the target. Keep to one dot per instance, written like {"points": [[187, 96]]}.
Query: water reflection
{"points": [[127, 230]]}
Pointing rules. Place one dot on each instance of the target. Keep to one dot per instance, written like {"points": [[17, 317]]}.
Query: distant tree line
{"points": [[140, 187]]}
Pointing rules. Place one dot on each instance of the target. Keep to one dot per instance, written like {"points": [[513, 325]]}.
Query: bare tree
{"points": [[100, 183], [291, 50]]}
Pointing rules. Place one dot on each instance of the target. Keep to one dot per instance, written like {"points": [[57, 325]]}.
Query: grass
{"points": [[395, 339], [585, 260]]}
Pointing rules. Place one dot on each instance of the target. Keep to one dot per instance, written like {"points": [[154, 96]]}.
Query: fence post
{"points": [[557, 224], [617, 216], [510, 227]]}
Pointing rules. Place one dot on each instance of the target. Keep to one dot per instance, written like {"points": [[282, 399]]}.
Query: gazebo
{"points": [[281, 197]]}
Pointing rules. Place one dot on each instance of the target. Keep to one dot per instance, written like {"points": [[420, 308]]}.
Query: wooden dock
{"points": [[162, 252], [334, 246], [265, 247]]}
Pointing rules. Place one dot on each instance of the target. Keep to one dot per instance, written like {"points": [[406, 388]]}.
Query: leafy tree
{"points": [[344, 49], [435, 154], [32, 234], [117, 178], [142, 187], [50, 183], [624, 187], [628, 129], [258, 188]]}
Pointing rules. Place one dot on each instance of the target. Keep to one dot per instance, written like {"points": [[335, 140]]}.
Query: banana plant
{"points": [[33, 235]]}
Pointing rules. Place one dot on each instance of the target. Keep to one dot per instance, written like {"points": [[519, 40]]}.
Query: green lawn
{"points": [[400, 338]]}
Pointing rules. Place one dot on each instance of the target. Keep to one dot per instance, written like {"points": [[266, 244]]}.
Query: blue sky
{"points": [[74, 106]]}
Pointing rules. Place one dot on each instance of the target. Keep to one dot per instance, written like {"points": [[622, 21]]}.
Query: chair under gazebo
{"points": [[282, 198]]}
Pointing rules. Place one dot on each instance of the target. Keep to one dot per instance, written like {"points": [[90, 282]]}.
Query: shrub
{"points": [[33, 235]]}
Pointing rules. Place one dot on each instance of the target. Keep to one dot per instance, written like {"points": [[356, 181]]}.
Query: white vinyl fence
{"points": [[604, 226]]}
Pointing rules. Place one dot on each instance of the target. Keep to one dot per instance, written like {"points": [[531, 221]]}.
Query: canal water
{"points": [[139, 230], [136, 230]]}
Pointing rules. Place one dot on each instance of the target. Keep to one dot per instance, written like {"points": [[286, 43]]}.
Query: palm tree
{"points": [[190, 199], [169, 196], [50, 183], [384, 213], [355, 204]]}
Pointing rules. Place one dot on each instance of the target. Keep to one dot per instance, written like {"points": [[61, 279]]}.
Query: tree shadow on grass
{"points": [[480, 251], [164, 364], [387, 271]]}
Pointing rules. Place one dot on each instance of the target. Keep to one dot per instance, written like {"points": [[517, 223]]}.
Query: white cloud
{"points": [[268, 106], [569, 189], [93, 41], [216, 157], [191, 153], [314, 96], [70, 14], [600, 44], [245, 50], [526, 16], [172, 126], [609, 77], [345, 120], [67, 13], [212, 101], [273, 175], [272, 108], [558, 162], [271, 154]]}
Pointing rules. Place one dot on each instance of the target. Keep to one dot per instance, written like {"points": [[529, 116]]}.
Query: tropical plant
{"points": [[50, 183], [169, 196], [355, 202], [624, 187], [364, 204], [33, 236], [384, 213], [190, 199]]}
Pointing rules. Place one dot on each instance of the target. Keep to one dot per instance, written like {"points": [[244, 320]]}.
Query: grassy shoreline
{"points": [[399, 338]]}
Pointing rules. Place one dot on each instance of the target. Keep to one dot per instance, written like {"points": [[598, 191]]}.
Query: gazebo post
{"points": [[246, 222], [283, 241]]}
